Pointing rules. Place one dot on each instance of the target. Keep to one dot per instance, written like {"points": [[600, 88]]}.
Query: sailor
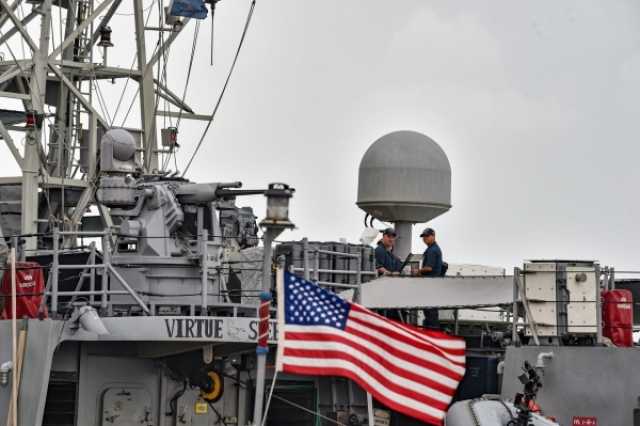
{"points": [[387, 263], [432, 266]]}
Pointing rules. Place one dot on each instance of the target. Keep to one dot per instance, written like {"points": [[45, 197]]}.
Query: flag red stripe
{"points": [[440, 369], [385, 381], [411, 375], [433, 334], [411, 370], [449, 344], [315, 371], [406, 347], [420, 344], [437, 339], [437, 369]]}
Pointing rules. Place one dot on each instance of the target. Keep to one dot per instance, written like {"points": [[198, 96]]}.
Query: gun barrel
{"points": [[225, 193], [204, 193]]}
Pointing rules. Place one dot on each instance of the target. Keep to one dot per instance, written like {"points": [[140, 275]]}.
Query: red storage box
{"points": [[617, 317], [29, 290]]}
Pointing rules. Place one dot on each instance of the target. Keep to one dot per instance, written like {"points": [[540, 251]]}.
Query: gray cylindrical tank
{"points": [[404, 177]]}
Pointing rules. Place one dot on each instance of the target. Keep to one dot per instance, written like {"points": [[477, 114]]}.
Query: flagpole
{"points": [[262, 350], [266, 409], [14, 345], [370, 410], [357, 297], [279, 329]]}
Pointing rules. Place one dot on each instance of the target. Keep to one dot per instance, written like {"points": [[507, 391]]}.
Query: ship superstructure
{"points": [[148, 309], [152, 282]]}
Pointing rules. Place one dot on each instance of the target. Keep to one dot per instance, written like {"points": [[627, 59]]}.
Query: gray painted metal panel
{"points": [[448, 292], [174, 329], [581, 381], [100, 372], [5, 355], [42, 339]]}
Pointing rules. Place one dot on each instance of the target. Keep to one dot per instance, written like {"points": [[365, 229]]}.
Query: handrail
{"points": [[313, 254], [336, 271], [106, 265]]}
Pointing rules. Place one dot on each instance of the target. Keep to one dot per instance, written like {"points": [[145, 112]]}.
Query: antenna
{"points": [[404, 178], [63, 113]]}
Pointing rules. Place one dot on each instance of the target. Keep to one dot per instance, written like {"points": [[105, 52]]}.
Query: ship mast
{"points": [[58, 119]]}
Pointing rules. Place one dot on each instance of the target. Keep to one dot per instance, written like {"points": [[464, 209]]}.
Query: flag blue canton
{"points": [[308, 304]]}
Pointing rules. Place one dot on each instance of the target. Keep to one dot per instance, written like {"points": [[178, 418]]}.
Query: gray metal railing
{"points": [[313, 254], [106, 270], [88, 269]]}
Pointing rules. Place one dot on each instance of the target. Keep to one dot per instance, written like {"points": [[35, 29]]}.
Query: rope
{"points": [[224, 88], [293, 404]]}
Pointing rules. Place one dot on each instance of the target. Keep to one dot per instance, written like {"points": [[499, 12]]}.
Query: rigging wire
{"points": [[303, 408], [53, 33], [160, 72], [23, 70], [161, 36], [186, 82], [157, 101], [194, 44], [159, 77], [21, 16], [132, 13], [133, 99], [224, 88], [164, 79], [101, 100], [126, 83]]}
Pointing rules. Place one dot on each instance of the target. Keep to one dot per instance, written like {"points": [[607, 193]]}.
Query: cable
{"points": [[126, 83], [21, 16], [173, 401], [186, 83], [131, 14], [220, 419], [293, 404], [101, 100], [247, 384], [184, 91], [224, 88]]}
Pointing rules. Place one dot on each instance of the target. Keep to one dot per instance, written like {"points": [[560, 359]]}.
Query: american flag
{"points": [[410, 370]]}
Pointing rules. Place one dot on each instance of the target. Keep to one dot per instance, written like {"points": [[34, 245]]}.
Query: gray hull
{"points": [[582, 382]]}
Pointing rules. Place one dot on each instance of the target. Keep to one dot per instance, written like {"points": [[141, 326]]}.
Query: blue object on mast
{"points": [[188, 8]]}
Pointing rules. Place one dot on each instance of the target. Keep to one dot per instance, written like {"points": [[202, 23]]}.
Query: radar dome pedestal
{"points": [[405, 178]]}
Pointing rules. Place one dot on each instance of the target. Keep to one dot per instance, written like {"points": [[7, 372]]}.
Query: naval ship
{"points": [[132, 295]]}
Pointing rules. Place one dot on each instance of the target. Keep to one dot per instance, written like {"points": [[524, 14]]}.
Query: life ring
{"points": [[217, 387]]}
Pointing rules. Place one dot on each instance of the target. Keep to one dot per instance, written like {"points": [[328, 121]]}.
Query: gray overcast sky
{"points": [[535, 103]]}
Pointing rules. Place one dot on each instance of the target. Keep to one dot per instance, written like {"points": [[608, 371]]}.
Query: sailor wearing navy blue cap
{"points": [[432, 264], [387, 262]]}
